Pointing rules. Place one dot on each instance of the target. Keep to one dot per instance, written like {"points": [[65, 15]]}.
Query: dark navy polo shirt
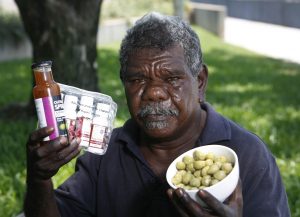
{"points": [[121, 183]]}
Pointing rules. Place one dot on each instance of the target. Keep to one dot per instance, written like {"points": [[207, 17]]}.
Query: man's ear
{"points": [[202, 82]]}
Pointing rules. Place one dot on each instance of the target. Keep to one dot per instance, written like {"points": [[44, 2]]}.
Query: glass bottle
{"points": [[47, 98]]}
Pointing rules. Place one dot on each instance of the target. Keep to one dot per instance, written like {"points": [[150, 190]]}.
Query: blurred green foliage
{"points": [[257, 92]]}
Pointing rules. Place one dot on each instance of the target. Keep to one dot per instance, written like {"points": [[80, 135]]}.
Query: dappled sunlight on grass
{"points": [[12, 164], [290, 170], [236, 87], [290, 72]]}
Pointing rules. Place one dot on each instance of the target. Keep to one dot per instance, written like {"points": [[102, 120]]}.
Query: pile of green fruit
{"points": [[201, 170]]}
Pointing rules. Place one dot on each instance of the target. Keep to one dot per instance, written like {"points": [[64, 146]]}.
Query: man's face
{"points": [[161, 93]]}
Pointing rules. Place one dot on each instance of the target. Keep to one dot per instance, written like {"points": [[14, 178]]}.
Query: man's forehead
{"points": [[169, 59], [175, 48]]}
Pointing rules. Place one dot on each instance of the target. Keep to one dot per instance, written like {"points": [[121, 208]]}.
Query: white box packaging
{"points": [[89, 116]]}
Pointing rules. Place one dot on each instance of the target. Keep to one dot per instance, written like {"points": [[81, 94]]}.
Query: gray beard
{"points": [[156, 124], [159, 108]]}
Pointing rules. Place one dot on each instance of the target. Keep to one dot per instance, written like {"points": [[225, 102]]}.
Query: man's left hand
{"points": [[187, 207]]}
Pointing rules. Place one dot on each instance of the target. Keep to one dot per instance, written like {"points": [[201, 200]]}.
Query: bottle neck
{"points": [[43, 75]]}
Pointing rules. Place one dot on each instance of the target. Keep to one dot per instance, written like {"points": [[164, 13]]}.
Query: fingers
{"points": [[214, 204], [236, 198], [50, 164], [185, 205], [68, 153], [231, 208], [45, 161], [39, 134], [176, 203], [51, 147], [237, 195], [58, 154]]}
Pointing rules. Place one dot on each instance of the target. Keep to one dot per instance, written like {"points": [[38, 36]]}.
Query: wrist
{"points": [[35, 181]]}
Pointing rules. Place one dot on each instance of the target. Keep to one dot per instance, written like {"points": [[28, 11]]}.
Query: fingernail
{"points": [[169, 192], [201, 192], [179, 192], [63, 140], [50, 129], [181, 195], [78, 140]]}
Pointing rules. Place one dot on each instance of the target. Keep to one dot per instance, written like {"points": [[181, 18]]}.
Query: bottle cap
{"points": [[47, 63]]}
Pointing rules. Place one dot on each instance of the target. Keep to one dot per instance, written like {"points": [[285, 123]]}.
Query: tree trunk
{"points": [[178, 6], [65, 32]]}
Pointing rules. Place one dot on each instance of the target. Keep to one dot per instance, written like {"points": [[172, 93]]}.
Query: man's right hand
{"points": [[44, 158]]}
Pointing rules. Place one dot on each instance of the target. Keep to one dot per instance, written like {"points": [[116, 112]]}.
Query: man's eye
{"points": [[135, 80], [173, 79]]}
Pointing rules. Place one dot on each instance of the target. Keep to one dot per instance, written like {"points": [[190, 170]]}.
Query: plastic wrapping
{"points": [[89, 116]]}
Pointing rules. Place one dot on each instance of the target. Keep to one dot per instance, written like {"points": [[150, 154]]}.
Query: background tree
{"points": [[64, 31], [178, 7]]}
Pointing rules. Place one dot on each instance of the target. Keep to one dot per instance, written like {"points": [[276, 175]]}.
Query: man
{"points": [[164, 80]]}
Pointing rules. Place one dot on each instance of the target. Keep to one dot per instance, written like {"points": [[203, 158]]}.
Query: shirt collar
{"points": [[216, 129], [129, 136]]}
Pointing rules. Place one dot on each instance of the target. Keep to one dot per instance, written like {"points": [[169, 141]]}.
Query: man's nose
{"points": [[155, 92]]}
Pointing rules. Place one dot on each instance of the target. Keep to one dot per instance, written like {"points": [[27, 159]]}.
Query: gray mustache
{"points": [[157, 109]]}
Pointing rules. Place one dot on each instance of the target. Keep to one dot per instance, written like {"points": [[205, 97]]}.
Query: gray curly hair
{"points": [[155, 30]]}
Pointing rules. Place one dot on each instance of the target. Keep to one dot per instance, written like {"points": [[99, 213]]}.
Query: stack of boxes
{"points": [[89, 116]]}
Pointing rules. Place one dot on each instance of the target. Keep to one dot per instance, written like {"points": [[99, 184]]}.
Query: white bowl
{"points": [[220, 190]]}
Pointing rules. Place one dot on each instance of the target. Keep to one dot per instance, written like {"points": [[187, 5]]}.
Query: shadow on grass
{"points": [[261, 93], [276, 81]]}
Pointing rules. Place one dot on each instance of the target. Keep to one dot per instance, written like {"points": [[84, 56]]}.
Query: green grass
{"points": [[257, 92]]}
